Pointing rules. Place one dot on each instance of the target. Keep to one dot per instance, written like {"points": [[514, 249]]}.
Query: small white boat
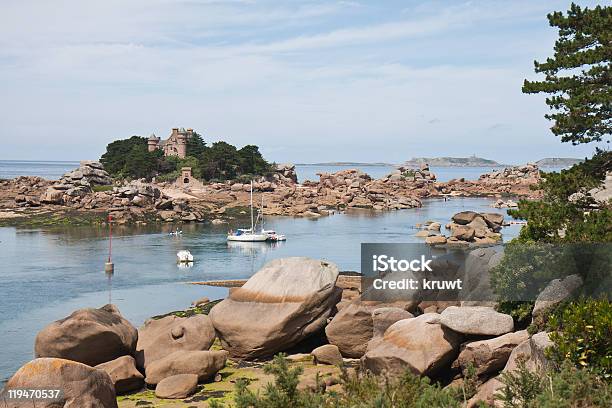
{"points": [[274, 236], [176, 233], [184, 256]]}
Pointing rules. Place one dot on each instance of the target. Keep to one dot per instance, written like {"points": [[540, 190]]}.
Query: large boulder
{"points": [[490, 356], [421, 345], [123, 373], [382, 319], [81, 386], [494, 220], [532, 352], [204, 364], [351, 329], [480, 227], [463, 232], [487, 393], [286, 301], [160, 337], [557, 291], [327, 354], [477, 289], [464, 217], [89, 336], [52, 196], [177, 386], [477, 320]]}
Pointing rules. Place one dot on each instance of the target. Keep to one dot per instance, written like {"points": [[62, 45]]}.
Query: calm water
{"points": [[51, 170], [48, 274]]}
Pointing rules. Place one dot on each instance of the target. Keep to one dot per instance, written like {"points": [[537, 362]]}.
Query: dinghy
{"points": [[184, 256]]}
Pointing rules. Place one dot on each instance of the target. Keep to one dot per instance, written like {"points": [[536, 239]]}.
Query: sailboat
{"points": [[273, 236], [248, 234]]}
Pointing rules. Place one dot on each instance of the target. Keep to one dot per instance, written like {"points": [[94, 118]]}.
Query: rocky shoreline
{"points": [[88, 195], [303, 307]]}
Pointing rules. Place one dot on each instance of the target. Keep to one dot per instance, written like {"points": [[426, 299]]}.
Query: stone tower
{"points": [[181, 143], [153, 142]]}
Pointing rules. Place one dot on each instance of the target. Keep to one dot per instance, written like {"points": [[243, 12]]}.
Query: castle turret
{"points": [[153, 142], [181, 144]]}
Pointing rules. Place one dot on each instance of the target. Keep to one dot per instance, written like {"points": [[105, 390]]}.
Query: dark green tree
{"points": [[578, 77], [195, 145], [220, 161], [131, 158], [251, 160]]}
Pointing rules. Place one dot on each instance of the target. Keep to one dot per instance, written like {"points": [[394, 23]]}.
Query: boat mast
{"points": [[252, 226]]}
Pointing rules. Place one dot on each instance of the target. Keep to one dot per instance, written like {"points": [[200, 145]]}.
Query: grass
{"points": [[98, 189], [192, 311]]}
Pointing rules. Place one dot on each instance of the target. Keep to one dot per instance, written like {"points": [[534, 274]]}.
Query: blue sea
{"points": [[51, 170]]}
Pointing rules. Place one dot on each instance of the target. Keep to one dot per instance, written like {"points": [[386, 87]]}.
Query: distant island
{"points": [[558, 162], [344, 164], [471, 161]]}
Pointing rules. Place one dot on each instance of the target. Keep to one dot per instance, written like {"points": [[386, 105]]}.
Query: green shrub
{"points": [[568, 388], [582, 333], [408, 174], [519, 310], [527, 267], [521, 387], [573, 387], [407, 391], [98, 188]]}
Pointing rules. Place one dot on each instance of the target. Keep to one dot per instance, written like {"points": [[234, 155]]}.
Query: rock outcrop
{"points": [[557, 291], [161, 337], [469, 228], [77, 183], [81, 385], [487, 393], [204, 364], [286, 301], [476, 320], [490, 356], [123, 373], [422, 174], [89, 336], [382, 319], [351, 329], [421, 345], [177, 386], [327, 354]]}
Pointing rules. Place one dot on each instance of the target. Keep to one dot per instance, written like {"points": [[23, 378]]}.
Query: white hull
{"points": [[184, 256], [248, 237]]}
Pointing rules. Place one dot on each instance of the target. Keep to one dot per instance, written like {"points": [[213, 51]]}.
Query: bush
{"points": [[365, 391], [527, 267], [98, 188], [521, 387], [581, 332], [568, 388]]}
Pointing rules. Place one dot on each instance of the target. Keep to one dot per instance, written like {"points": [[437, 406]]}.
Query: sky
{"points": [[307, 81]]}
